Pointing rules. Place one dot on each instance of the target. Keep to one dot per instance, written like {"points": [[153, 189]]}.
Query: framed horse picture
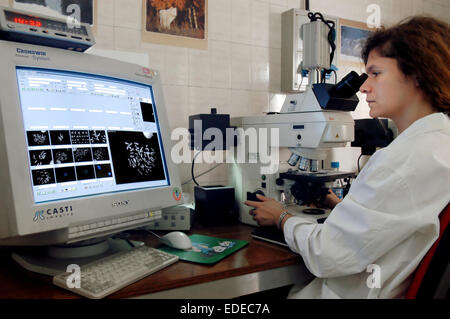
{"points": [[176, 22]]}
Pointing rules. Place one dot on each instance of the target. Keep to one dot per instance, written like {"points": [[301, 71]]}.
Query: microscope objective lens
{"points": [[304, 164], [314, 166], [293, 160]]}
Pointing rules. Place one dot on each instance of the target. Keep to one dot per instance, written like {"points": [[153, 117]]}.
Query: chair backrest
{"points": [[434, 264]]}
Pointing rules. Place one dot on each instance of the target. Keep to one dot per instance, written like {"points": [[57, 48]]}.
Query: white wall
{"points": [[239, 74]]}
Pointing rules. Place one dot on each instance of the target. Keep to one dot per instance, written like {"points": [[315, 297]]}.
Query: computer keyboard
{"points": [[107, 275]]}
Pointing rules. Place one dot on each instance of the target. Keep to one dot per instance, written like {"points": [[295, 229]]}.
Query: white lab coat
{"points": [[388, 219]]}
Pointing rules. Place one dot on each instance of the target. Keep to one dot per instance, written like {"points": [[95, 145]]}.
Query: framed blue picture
{"points": [[353, 35]]}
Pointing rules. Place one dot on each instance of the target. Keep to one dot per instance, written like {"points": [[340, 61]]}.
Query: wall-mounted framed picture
{"points": [[85, 9], [176, 22], [353, 35]]}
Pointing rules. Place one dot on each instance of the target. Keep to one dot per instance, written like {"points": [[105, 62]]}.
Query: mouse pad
{"points": [[207, 249]]}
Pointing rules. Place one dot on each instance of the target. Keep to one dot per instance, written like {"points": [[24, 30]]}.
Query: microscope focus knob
{"points": [[252, 196], [259, 192], [279, 181]]}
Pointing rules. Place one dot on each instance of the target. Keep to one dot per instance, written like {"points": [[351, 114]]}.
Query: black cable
{"points": [[331, 41], [324, 78], [318, 16], [203, 173], [359, 169], [192, 168]]}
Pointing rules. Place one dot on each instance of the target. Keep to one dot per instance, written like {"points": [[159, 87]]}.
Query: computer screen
{"points": [[85, 146], [89, 134]]}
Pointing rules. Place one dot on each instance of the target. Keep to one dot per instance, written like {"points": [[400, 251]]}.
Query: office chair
{"points": [[432, 277]]}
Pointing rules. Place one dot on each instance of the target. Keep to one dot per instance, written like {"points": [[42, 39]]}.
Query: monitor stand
{"points": [[53, 260]]}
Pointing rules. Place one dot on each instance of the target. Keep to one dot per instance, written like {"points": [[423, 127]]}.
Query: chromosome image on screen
{"points": [[38, 138], [103, 170], [65, 174], [100, 154], [147, 112], [135, 157], [82, 154], [43, 176], [60, 137], [97, 137], [85, 172], [62, 156], [40, 157], [79, 137]]}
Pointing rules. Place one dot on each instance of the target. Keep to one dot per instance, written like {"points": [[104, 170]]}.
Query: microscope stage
{"points": [[316, 177]]}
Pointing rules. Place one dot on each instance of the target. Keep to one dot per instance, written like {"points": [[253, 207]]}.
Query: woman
{"points": [[389, 218]]}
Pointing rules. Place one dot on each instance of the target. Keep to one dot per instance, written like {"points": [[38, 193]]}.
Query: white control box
{"points": [[316, 48]]}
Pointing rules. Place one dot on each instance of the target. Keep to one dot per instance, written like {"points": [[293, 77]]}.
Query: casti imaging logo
{"points": [[51, 213]]}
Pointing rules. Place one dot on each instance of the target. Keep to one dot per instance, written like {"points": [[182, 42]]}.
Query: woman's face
{"points": [[388, 91]]}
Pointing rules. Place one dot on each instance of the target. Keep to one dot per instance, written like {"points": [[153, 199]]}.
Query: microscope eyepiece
{"points": [[348, 86]]}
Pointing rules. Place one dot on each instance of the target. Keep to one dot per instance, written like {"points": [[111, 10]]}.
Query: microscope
{"points": [[307, 125]]}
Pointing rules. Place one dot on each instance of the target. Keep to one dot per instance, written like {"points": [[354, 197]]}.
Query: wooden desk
{"points": [[256, 267]]}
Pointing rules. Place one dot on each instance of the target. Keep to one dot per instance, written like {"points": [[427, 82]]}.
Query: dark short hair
{"points": [[421, 46]]}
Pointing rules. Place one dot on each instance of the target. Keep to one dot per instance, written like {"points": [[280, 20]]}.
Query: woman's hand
{"points": [[267, 212], [331, 200]]}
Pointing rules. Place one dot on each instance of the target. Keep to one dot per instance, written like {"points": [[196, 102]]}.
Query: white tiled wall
{"points": [[391, 10], [239, 74]]}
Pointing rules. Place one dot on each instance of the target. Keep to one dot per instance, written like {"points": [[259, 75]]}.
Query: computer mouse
{"points": [[177, 240]]}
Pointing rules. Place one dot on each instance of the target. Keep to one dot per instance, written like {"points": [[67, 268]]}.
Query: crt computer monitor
{"points": [[84, 146]]}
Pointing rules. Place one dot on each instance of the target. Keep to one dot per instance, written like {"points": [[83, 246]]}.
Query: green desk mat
{"points": [[207, 249]]}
